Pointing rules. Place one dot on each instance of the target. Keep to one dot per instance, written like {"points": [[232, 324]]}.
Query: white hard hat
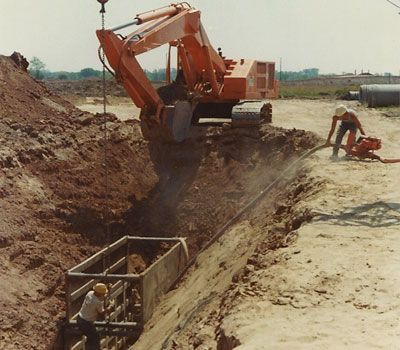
{"points": [[340, 110]]}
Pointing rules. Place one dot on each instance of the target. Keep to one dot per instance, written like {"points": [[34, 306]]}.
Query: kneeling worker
{"points": [[349, 122], [92, 308]]}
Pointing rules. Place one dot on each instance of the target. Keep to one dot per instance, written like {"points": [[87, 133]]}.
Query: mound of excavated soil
{"points": [[53, 188], [91, 87], [52, 176]]}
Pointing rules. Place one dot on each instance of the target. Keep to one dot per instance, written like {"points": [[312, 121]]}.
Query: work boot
{"points": [[334, 158], [347, 157]]}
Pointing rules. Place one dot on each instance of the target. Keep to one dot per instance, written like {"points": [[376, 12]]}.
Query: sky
{"points": [[335, 36]]}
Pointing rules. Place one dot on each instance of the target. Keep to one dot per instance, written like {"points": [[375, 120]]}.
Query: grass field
{"points": [[315, 91]]}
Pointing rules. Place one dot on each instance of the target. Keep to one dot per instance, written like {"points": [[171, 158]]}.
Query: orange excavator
{"points": [[207, 84]]}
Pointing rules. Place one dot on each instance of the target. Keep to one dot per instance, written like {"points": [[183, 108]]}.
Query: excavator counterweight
{"points": [[207, 85]]}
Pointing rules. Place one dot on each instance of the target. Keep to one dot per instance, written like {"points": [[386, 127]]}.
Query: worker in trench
{"points": [[93, 308], [349, 122]]}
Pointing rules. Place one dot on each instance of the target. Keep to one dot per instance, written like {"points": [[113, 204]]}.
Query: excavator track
{"points": [[251, 113], [240, 114], [180, 115]]}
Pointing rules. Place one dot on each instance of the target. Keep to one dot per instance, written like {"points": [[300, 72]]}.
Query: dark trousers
{"points": [[88, 329], [343, 128]]}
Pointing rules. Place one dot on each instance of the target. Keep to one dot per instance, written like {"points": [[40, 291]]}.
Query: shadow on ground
{"points": [[378, 214]]}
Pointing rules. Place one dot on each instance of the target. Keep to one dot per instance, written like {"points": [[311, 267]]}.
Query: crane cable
{"points": [[105, 135], [395, 5], [105, 257]]}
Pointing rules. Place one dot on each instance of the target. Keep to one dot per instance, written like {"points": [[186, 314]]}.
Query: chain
{"points": [[105, 136], [105, 162]]}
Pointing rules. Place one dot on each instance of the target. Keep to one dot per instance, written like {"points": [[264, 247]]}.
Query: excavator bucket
{"points": [[176, 120], [175, 123]]}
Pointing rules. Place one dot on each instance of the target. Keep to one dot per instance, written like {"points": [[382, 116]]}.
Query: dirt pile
{"points": [[52, 189], [90, 87], [52, 192]]}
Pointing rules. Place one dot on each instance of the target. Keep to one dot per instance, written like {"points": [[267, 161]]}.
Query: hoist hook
{"points": [[103, 3]]}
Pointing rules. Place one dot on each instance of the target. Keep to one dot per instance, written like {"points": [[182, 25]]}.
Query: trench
{"points": [[264, 226], [204, 182], [252, 158], [52, 195], [201, 184]]}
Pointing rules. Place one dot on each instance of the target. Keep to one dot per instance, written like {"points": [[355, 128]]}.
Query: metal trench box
{"points": [[139, 270]]}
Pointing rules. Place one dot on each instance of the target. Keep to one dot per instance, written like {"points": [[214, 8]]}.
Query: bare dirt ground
{"points": [[330, 283], [87, 95], [52, 194], [121, 106], [335, 286]]}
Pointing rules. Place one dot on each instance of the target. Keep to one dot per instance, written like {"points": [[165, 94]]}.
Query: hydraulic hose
{"points": [[248, 206]]}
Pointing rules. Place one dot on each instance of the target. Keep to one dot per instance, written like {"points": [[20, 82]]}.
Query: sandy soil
{"points": [[272, 282], [122, 107], [338, 289], [334, 287]]}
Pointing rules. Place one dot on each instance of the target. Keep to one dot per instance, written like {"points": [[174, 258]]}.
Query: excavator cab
{"points": [[208, 85]]}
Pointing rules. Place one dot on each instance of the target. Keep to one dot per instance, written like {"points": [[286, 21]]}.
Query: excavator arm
{"points": [[178, 25]]}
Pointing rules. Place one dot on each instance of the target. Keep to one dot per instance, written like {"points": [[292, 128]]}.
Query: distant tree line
{"points": [[38, 70], [308, 73], [82, 74]]}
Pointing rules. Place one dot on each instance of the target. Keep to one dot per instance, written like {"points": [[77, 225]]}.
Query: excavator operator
{"points": [[349, 122]]}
